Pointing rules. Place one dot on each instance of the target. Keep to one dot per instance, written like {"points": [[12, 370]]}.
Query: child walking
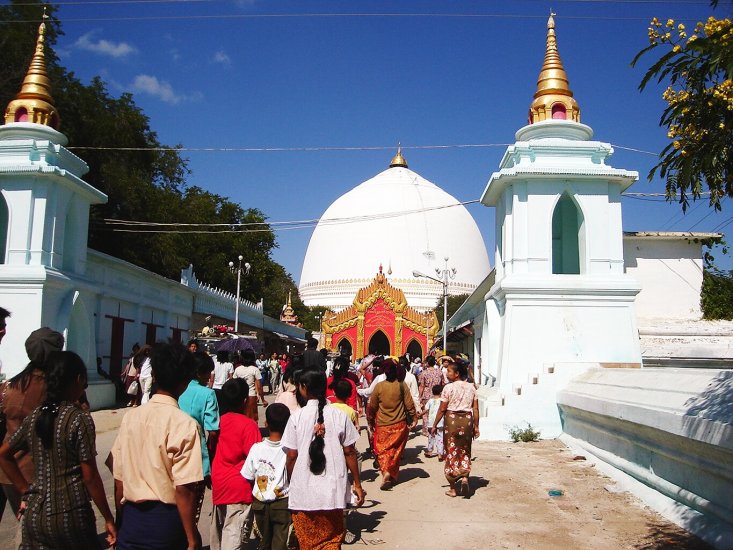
{"points": [[230, 492], [342, 392], [265, 470], [435, 435]]}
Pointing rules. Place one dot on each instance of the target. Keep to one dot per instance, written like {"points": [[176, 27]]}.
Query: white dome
{"points": [[368, 226]]}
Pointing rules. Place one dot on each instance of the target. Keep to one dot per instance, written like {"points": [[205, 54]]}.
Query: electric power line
{"points": [[118, 2], [132, 226], [324, 15], [312, 149]]}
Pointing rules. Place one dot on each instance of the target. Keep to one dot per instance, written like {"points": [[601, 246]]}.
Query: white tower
{"points": [[44, 219], [560, 295]]}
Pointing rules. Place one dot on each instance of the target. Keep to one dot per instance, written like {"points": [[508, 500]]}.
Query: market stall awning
{"points": [[287, 338], [461, 332]]}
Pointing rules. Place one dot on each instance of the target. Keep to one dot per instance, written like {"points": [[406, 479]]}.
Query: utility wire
{"points": [[118, 2], [131, 226], [314, 148], [324, 15], [704, 217]]}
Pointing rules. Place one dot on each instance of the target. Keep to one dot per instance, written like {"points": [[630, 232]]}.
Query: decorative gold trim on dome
{"points": [[34, 102], [398, 160], [553, 98]]}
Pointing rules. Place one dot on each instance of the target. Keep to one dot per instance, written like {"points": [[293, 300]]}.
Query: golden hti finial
{"points": [[553, 98], [34, 102], [289, 300], [398, 159]]}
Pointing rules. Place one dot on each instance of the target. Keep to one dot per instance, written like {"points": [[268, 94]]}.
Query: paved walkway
{"points": [[510, 508]]}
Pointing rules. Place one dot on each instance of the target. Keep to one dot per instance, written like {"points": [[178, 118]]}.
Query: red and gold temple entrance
{"points": [[380, 321]]}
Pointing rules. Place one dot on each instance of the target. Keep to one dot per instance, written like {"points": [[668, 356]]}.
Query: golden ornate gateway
{"points": [[379, 308]]}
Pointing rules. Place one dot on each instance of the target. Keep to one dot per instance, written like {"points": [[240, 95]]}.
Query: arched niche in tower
{"points": [[559, 112], [4, 225], [568, 237]]}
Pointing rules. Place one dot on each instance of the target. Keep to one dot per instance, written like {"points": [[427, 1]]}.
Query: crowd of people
{"points": [[193, 425]]}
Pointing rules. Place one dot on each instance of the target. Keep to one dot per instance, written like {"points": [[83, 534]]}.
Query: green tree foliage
{"points": [[716, 298], [147, 186], [454, 302], [699, 116]]}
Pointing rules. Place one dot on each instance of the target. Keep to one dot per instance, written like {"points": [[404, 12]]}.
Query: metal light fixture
{"points": [[238, 270]]}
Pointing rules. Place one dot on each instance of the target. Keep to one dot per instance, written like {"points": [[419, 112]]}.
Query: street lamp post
{"points": [[444, 274], [238, 271]]}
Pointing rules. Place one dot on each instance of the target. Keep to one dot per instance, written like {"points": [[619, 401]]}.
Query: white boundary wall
{"points": [[669, 429]]}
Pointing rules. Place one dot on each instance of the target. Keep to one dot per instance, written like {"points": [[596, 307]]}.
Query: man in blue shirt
{"points": [[199, 402]]}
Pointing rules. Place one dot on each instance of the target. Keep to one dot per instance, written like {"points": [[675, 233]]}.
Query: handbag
{"points": [[134, 388], [408, 416]]}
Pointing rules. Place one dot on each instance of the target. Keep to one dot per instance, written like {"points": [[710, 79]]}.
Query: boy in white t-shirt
{"points": [[265, 469]]}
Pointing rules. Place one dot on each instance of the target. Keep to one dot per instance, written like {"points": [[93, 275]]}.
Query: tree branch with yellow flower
{"points": [[698, 67]]}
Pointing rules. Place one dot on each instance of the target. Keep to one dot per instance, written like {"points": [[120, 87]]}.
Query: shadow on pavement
{"points": [[667, 536], [408, 474], [361, 522]]}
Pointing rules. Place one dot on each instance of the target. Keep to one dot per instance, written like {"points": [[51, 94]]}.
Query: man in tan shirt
{"points": [[156, 462]]}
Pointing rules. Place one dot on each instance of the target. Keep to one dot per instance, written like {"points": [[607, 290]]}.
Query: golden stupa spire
{"points": [[289, 300], [398, 159], [34, 102], [553, 98]]}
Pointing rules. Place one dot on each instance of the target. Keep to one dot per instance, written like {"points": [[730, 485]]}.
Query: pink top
{"points": [[459, 396]]}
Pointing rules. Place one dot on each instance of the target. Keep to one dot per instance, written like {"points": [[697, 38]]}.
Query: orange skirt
{"points": [[321, 530], [251, 408], [389, 444]]}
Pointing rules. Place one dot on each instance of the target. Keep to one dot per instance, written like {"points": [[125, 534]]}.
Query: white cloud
{"points": [[161, 89], [104, 47], [222, 57], [151, 85]]}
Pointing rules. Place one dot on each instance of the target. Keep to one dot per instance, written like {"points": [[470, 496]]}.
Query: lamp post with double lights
{"points": [[238, 270], [445, 275]]}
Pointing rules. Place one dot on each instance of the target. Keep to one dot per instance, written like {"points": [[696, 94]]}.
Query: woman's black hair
{"points": [[340, 369], [390, 369], [232, 395], [63, 368], [22, 380], [315, 382], [248, 357], [222, 356], [461, 368]]}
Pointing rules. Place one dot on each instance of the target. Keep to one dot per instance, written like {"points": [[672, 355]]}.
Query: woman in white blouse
{"points": [[459, 406], [319, 441]]}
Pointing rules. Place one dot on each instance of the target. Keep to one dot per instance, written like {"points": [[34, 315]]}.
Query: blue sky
{"points": [[218, 74]]}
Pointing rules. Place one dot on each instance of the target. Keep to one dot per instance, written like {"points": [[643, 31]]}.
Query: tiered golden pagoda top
{"points": [[287, 315], [398, 160], [553, 98], [34, 102]]}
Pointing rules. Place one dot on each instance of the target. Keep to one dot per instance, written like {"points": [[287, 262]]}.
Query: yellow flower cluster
{"points": [[684, 132], [675, 35]]}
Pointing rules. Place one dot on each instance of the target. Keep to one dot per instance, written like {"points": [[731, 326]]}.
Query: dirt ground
{"points": [[510, 506]]}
